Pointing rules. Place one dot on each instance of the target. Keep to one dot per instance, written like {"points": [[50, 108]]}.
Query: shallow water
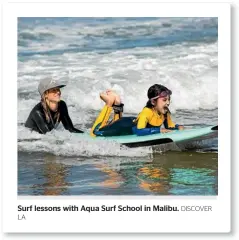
{"points": [[171, 173]]}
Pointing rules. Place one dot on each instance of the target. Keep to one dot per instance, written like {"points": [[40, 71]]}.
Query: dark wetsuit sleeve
{"points": [[40, 122], [36, 120], [65, 119]]}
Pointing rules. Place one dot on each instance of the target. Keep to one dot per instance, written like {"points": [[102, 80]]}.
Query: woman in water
{"points": [[149, 121], [51, 110]]}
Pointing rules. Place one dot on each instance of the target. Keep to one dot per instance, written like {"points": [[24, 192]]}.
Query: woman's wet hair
{"points": [[155, 91], [46, 110]]}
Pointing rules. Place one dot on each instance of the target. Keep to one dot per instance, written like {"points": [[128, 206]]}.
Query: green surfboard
{"points": [[162, 138]]}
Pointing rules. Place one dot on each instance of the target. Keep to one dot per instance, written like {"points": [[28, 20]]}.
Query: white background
{"points": [[223, 105]]}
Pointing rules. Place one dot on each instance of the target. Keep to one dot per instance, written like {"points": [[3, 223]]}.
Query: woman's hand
{"points": [[164, 130]]}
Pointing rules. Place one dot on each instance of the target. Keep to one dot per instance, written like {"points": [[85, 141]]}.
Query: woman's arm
{"points": [[40, 123], [36, 121], [66, 120]]}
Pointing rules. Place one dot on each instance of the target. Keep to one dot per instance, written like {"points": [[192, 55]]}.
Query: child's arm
{"points": [[169, 124], [145, 131], [141, 130], [149, 131]]}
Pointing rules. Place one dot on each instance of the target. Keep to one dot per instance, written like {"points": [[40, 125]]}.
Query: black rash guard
{"points": [[37, 119]]}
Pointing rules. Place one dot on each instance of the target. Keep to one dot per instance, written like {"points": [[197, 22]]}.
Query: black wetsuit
{"points": [[37, 119]]}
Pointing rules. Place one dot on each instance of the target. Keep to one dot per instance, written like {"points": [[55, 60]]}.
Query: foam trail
{"points": [[63, 143]]}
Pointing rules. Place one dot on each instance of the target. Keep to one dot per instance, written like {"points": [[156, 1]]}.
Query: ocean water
{"points": [[127, 55]]}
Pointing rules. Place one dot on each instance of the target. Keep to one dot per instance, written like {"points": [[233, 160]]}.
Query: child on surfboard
{"points": [[149, 120]]}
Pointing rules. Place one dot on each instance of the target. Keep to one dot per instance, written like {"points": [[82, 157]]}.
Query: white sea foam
{"points": [[63, 143], [190, 72]]}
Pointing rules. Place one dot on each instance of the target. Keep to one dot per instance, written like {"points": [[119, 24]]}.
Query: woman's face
{"points": [[161, 104], [53, 95]]}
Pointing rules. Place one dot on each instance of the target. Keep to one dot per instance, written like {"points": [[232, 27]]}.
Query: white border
{"points": [[216, 221]]}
